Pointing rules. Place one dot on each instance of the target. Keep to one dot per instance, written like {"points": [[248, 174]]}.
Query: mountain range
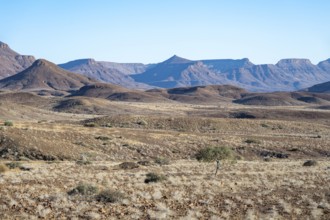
{"points": [[286, 75], [19, 72], [46, 78]]}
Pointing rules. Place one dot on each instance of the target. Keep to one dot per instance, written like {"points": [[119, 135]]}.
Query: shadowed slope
{"points": [[116, 93], [201, 94], [321, 88]]}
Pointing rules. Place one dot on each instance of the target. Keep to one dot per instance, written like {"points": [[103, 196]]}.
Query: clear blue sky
{"points": [[151, 31]]}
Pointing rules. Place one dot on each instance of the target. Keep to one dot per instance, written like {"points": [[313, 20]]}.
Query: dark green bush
{"points": [[8, 123], [154, 178], [309, 163]]}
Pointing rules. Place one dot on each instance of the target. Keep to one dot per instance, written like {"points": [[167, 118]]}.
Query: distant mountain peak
{"points": [[3, 45], [41, 62], [246, 60], [176, 60], [88, 61]]}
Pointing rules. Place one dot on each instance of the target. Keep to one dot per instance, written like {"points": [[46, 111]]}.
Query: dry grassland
{"points": [[245, 190], [58, 151]]}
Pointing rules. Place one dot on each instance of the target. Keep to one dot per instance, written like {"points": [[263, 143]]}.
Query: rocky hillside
{"points": [[44, 75]]}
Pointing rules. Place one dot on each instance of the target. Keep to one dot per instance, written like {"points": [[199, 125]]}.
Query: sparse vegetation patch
{"points": [[162, 161], [252, 141], [84, 189], [90, 124], [14, 165]]}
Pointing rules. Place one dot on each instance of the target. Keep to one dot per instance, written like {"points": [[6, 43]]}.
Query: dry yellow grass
{"points": [[249, 189], [246, 190]]}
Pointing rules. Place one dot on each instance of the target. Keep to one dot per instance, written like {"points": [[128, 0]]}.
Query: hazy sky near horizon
{"points": [[151, 31]]}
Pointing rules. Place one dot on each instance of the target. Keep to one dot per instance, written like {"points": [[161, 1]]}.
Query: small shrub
{"points": [[252, 141], [128, 165], [3, 168], [144, 163], [273, 154], [162, 161], [13, 165], [108, 125], [264, 125], [83, 162], [90, 124], [23, 168], [154, 178], [22, 158], [210, 154], [84, 189], [309, 163], [267, 159], [8, 123], [142, 122], [110, 196], [103, 138]]}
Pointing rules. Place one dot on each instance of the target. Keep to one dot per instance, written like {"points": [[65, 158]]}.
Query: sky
{"points": [[151, 31]]}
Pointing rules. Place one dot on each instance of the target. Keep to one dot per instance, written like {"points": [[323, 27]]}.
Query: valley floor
{"points": [[52, 153]]}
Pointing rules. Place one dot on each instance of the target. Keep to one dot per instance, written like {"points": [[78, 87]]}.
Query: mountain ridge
{"points": [[109, 72], [288, 74]]}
